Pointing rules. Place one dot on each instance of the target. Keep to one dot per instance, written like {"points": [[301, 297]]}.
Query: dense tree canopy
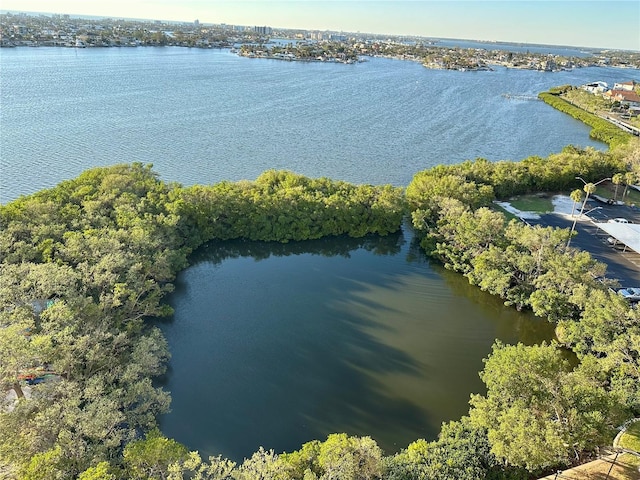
{"points": [[85, 264], [539, 411], [282, 206]]}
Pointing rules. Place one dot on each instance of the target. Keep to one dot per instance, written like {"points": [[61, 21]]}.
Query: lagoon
{"points": [[276, 345]]}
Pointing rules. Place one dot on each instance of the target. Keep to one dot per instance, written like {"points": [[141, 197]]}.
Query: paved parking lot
{"points": [[623, 266]]}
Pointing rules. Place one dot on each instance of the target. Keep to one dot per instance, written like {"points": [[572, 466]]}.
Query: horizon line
{"points": [[503, 42]]}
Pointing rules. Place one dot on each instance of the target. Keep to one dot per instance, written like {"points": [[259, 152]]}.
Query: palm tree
{"points": [[629, 179], [589, 188], [576, 196], [617, 180]]}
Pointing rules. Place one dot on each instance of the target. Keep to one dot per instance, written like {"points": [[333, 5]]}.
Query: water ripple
{"points": [[202, 116]]}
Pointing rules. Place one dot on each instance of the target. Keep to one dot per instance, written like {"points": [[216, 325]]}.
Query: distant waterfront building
{"points": [[317, 36], [263, 30], [20, 29]]}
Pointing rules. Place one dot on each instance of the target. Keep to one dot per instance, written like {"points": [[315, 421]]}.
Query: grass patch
{"points": [[587, 101], [632, 196], [630, 440], [608, 190], [532, 203], [507, 215], [631, 437]]}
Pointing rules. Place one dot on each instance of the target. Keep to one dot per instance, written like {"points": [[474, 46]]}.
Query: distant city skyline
{"points": [[579, 23]]}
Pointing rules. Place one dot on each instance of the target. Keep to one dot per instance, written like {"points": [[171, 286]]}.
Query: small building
{"points": [[625, 97], [625, 86], [596, 87]]}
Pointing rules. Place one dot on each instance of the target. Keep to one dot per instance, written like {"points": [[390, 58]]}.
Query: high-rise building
{"points": [[263, 30]]}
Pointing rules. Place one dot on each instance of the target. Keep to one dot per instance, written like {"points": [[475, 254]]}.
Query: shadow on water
{"points": [[277, 344], [512, 326]]}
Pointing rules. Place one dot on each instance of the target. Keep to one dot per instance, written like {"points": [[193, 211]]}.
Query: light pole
{"points": [[594, 208], [588, 188]]}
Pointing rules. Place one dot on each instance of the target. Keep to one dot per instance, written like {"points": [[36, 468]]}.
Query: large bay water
{"points": [[276, 345], [202, 116]]}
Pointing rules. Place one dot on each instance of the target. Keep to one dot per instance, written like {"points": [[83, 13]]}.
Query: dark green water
{"points": [[276, 345]]}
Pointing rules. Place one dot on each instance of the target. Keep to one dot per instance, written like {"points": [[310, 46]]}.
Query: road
{"points": [[623, 266]]}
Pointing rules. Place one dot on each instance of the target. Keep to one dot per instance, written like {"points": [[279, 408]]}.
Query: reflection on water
{"points": [[277, 344], [512, 325], [217, 252]]}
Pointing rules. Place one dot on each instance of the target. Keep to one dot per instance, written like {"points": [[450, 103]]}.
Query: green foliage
{"points": [[428, 187], [264, 465], [49, 465], [477, 183], [82, 266], [304, 462], [102, 471], [602, 130], [339, 457], [608, 329], [193, 468], [349, 458], [150, 458], [462, 451], [538, 412], [282, 206], [533, 269], [463, 234], [527, 267]]}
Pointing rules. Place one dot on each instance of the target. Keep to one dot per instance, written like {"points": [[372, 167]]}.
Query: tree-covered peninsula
{"points": [[84, 266]]}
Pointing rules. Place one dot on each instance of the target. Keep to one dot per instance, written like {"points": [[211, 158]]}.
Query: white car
{"points": [[618, 220], [630, 293]]}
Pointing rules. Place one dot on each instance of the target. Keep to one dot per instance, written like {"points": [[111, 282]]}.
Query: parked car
{"points": [[630, 293], [618, 220]]}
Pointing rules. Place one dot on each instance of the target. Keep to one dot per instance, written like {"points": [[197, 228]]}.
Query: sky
{"points": [[581, 23]]}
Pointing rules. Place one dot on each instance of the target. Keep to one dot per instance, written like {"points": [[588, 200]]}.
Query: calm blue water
{"points": [[202, 116]]}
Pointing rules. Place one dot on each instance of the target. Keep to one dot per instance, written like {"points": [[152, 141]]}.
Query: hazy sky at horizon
{"points": [[582, 23]]}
